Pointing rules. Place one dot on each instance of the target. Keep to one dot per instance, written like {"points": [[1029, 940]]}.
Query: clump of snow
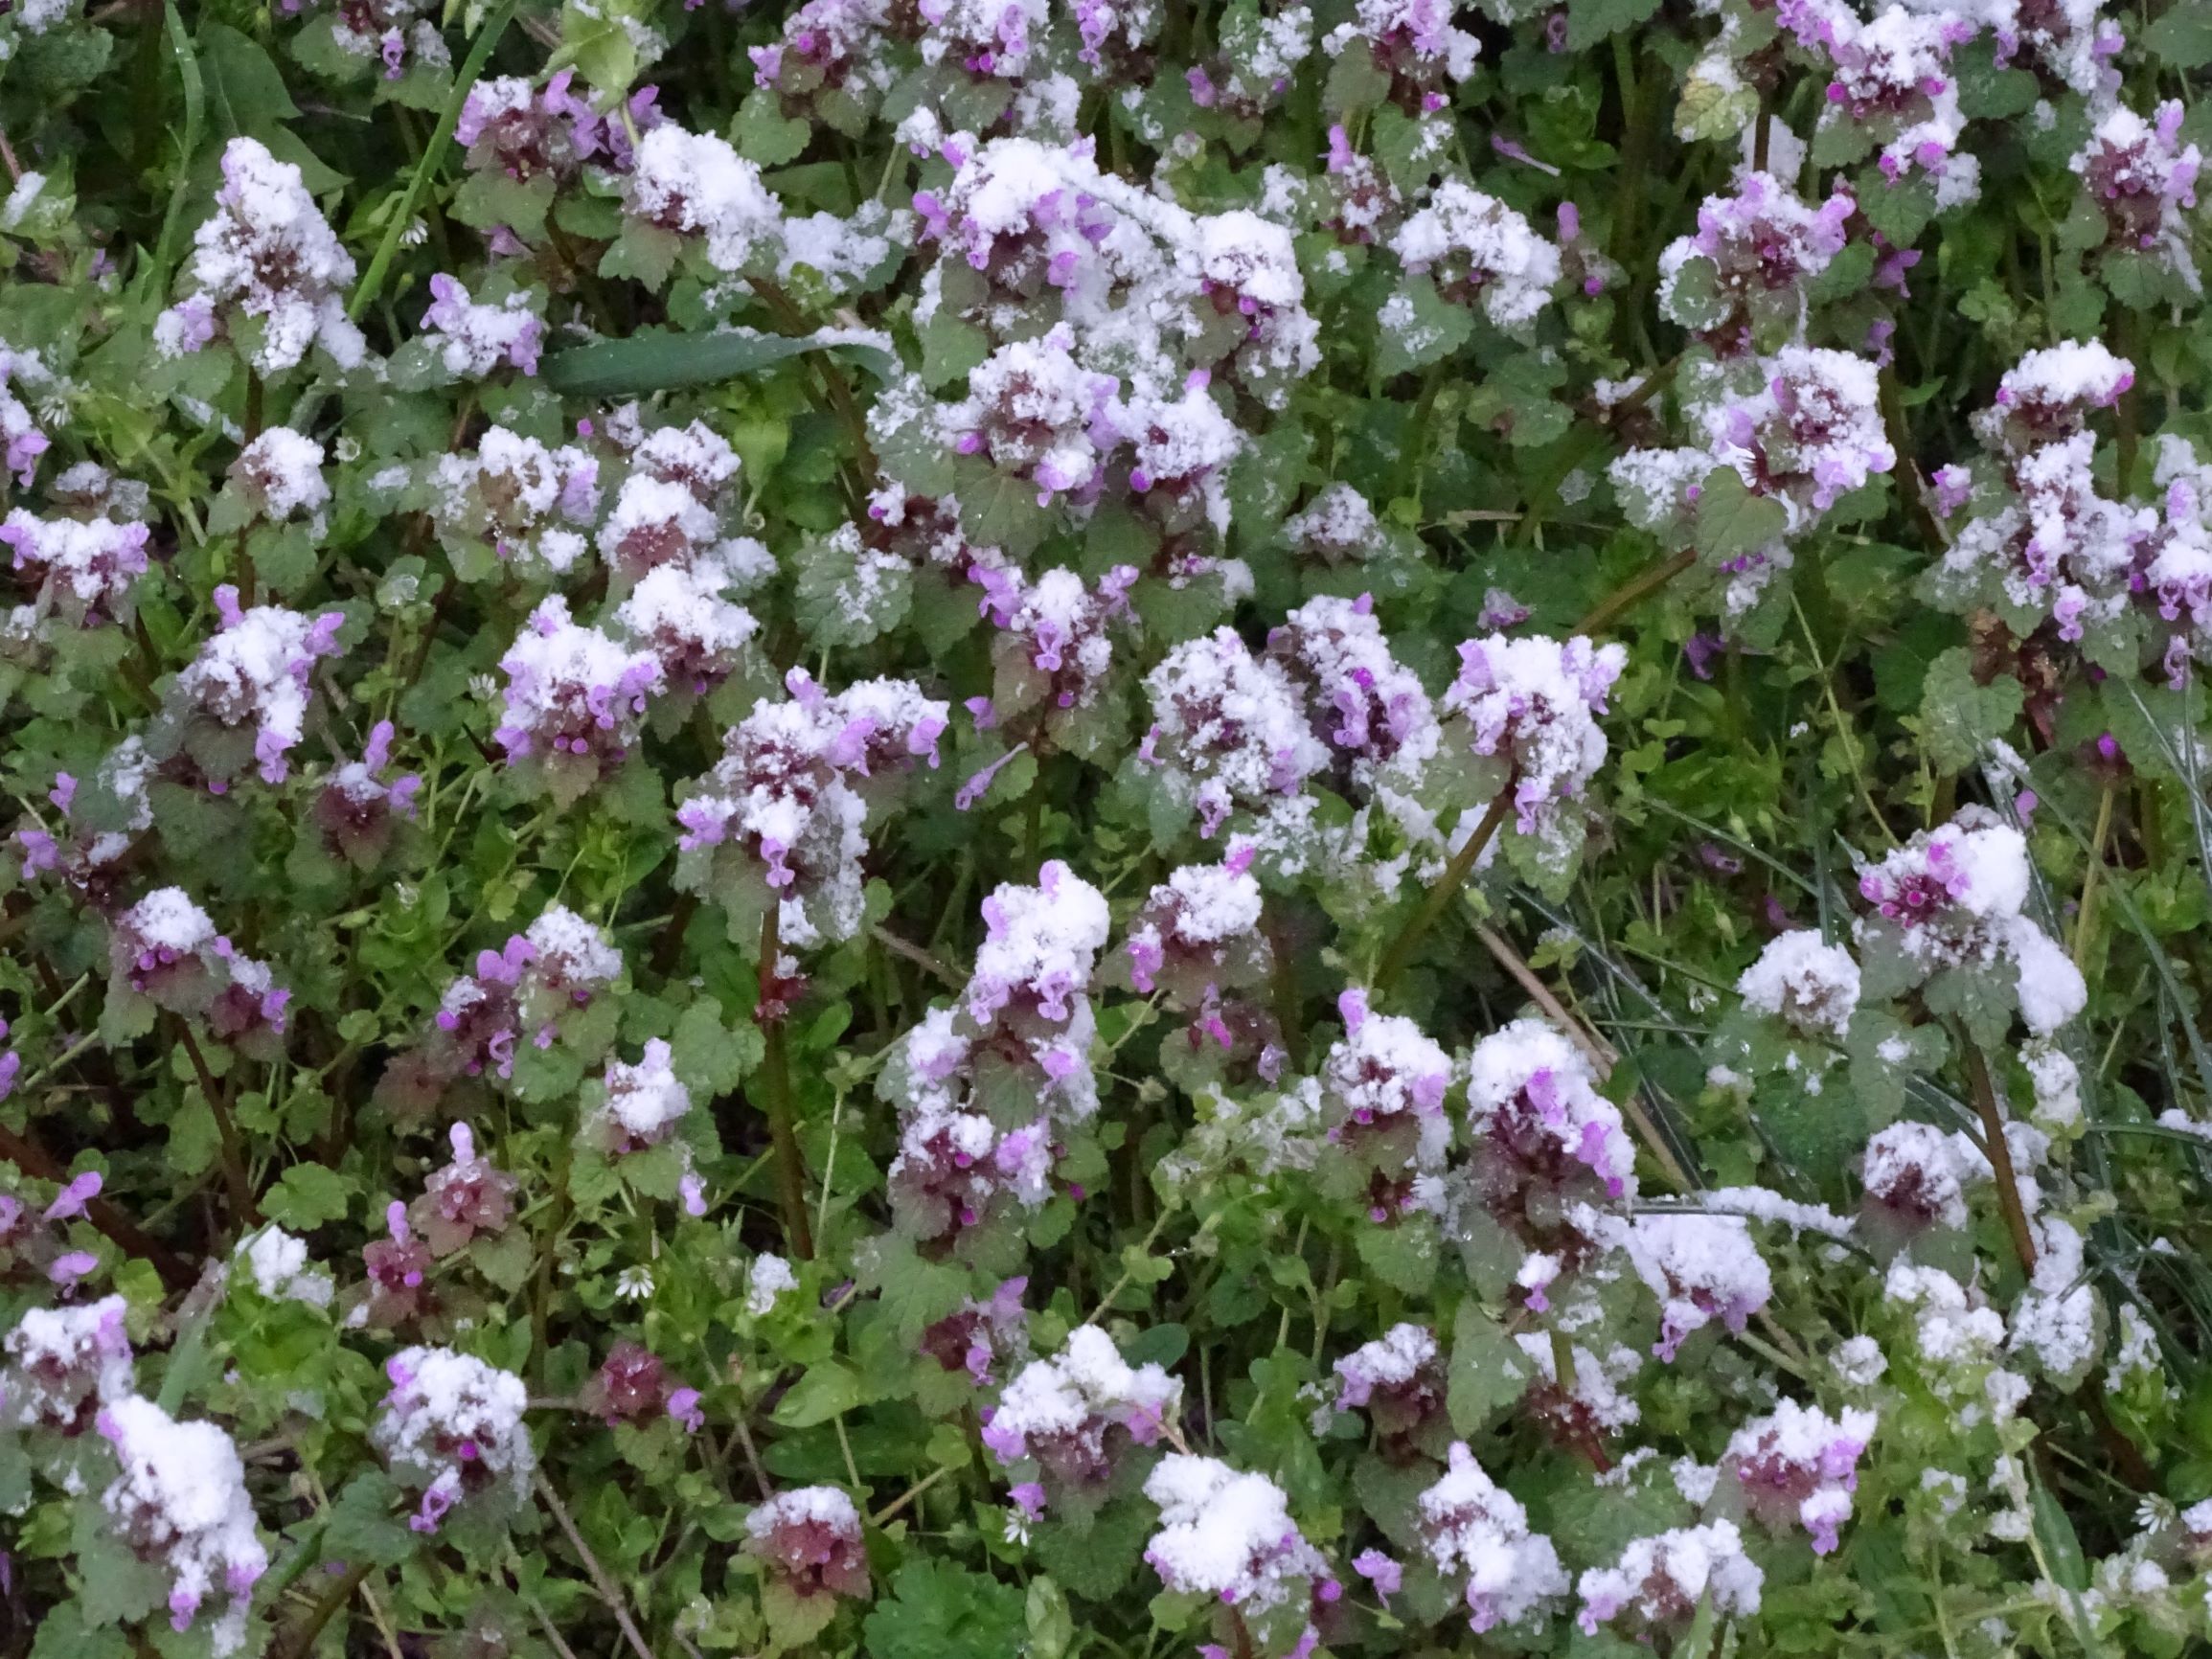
{"points": [[1479, 1535], [452, 1425], [1801, 978]]}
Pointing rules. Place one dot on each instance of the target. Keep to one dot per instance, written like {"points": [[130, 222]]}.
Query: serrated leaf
{"points": [[941, 1610], [1959, 718], [1489, 1372], [307, 1197]]}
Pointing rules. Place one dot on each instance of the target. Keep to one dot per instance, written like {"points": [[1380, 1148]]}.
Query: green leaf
{"points": [[1732, 521], [1489, 1372], [827, 1390], [708, 1057], [307, 1197], [1590, 21], [940, 1610], [1959, 718], [658, 360], [2182, 38], [1403, 1256]]}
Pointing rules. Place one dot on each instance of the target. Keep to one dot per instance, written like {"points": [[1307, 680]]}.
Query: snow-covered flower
{"points": [[2142, 179], [1068, 1420], [84, 571], [249, 684], [1478, 1535], [1952, 898], [472, 339], [280, 475], [1478, 250], [1803, 980], [1228, 1535], [1229, 732], [779, 820], [279, 1265], [452, 1426], [1382, 1090], [1546, 1142], [809, 1538], [1702, 1269], [1741, 279], [265, 254], [694, 184], [179, 1502], [463, 1198], [1798, 1465], [1660, 1581], [64, 1364], [1531, 705], [527, 503], [574, 695]]}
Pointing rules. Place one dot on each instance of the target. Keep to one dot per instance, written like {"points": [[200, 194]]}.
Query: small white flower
{"points": [[634, 1285]]}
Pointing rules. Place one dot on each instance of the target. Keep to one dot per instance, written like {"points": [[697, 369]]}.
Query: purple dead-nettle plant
{"points": [[1227, 1536], [2143, 181], [982, 1334], [2043, 546], [1804, 981], [1378, 722], [1914, 1176], [1702, 1269], [1477, 1535], [1071, 1430], [633, 1386], [775, 830], [1799, 1467], [1892, 90], [1479, 253], [2174, 560], [1230, 740], [64, 1365], [266, 272], [22, 439], [1740, 282], [1054, 651], [1547, 1147], [394, 34], [243, 701], [677, 505], [74, 573], [1525, 711], [462, 1198], [809, 1542], [1413, 44], [537, 990], [165, 950], [695, 188], [179, 1503], [1400, 1381], [638, 1107], [472, 339], [396, 1289], [515, 503], [1659, 1583], [575, 699], [1197, 942], [101, 819], [1945, 912], [525, 132], [1382, 1088], [451, 1428], [1251, 71], [364, 803], [830, 63]]}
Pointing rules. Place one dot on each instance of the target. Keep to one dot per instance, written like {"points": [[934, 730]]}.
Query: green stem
{"points": [[404, 212], [775, 1097], [1446, 890]]}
